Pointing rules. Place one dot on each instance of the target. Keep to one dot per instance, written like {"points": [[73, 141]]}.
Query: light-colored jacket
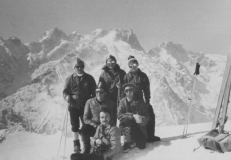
{"points": [[111, 133], [92, 109]]}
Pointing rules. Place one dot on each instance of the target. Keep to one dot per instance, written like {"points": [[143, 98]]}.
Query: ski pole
{"points": [[62, 132], [189, 111], [65, 137], [197, 72], [195, 149]]}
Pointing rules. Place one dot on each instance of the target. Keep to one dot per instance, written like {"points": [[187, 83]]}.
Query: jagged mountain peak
{"points": [[74, 36], [129, 37], [173, 47], [178, 52], [13, 46], [14, 65], [112, 35], [170, 50], [99, 32], [53, 33], [12, 41], [53, 45]]}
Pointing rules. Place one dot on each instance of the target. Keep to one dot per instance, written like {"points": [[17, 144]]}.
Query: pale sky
{"points": [[199, 25]]}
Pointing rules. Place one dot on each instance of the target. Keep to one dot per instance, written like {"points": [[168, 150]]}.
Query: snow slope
{"points": [[30, 146]]}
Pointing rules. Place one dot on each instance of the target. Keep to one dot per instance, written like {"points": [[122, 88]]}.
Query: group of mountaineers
{"points": [[117, 96]]}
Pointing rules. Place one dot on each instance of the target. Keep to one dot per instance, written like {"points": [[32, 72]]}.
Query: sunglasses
{"points": [[99, 92], [128, 90], [111, 62], [80, 66], [133, 65]]}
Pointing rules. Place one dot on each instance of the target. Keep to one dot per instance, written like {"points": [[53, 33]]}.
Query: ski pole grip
{"points": [[197, 69]]}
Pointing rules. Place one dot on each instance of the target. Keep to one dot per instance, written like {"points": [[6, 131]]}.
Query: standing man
{"points": [[142, 91], [133, 115], [91, 114], [79, 87], [113, 76]]}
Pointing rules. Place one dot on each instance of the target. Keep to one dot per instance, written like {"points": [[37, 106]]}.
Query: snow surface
{"points": [[30, 146]]}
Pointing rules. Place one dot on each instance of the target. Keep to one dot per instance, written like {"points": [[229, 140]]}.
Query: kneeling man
{"points": [[133, 115]]}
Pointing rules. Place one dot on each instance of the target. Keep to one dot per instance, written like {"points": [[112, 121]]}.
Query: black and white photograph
{"points": [[115, 79]]}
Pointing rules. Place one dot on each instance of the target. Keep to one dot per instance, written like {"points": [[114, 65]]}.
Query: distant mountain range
{"points": [[33, 75]]}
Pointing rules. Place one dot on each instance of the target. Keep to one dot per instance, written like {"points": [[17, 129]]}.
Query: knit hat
{"points": [[101, 86], [132, 59], [79, 62], [129, 84], [110, 57]]}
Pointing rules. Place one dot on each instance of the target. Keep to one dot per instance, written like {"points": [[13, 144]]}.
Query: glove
{"points": [[118, 85], [98, 142], [137, 118], [94, 125], [74, 96], [67, 98]]}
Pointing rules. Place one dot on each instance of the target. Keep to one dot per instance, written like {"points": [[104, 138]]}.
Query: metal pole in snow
{"points": [[64, 122], [197, 72]]}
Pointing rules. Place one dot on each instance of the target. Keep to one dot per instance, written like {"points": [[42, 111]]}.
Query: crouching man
{"points": [[106, 141], [133, 115], [91, 114]]}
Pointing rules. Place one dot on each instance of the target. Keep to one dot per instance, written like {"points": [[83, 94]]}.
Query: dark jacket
{"points": [[79, 90], [110, 133], [142, 84], [111, 81], [136, 107], [92, 109]]}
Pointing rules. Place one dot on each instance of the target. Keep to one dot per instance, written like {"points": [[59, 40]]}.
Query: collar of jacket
{"points": [[107, 127], [106, 68], [105, 101], [75, 74], [126, 101], [135, 72]]}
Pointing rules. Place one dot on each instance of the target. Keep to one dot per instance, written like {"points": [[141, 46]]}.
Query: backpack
{"points": [[216, 142]]}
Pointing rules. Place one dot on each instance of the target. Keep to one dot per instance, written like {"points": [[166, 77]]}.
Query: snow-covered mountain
{"points": [[14, 68], [169, 67]]}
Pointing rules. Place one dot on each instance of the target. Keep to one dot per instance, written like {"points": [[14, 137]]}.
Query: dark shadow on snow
{"points": [[151, 146]]}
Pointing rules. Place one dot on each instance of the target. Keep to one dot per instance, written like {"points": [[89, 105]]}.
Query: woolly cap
{"points": [[101, 86], [110, 57], [79, 62], [132, 59]]}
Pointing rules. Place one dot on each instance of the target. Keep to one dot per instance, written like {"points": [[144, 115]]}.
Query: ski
{"points": [[222, 91], [225, 104]]}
